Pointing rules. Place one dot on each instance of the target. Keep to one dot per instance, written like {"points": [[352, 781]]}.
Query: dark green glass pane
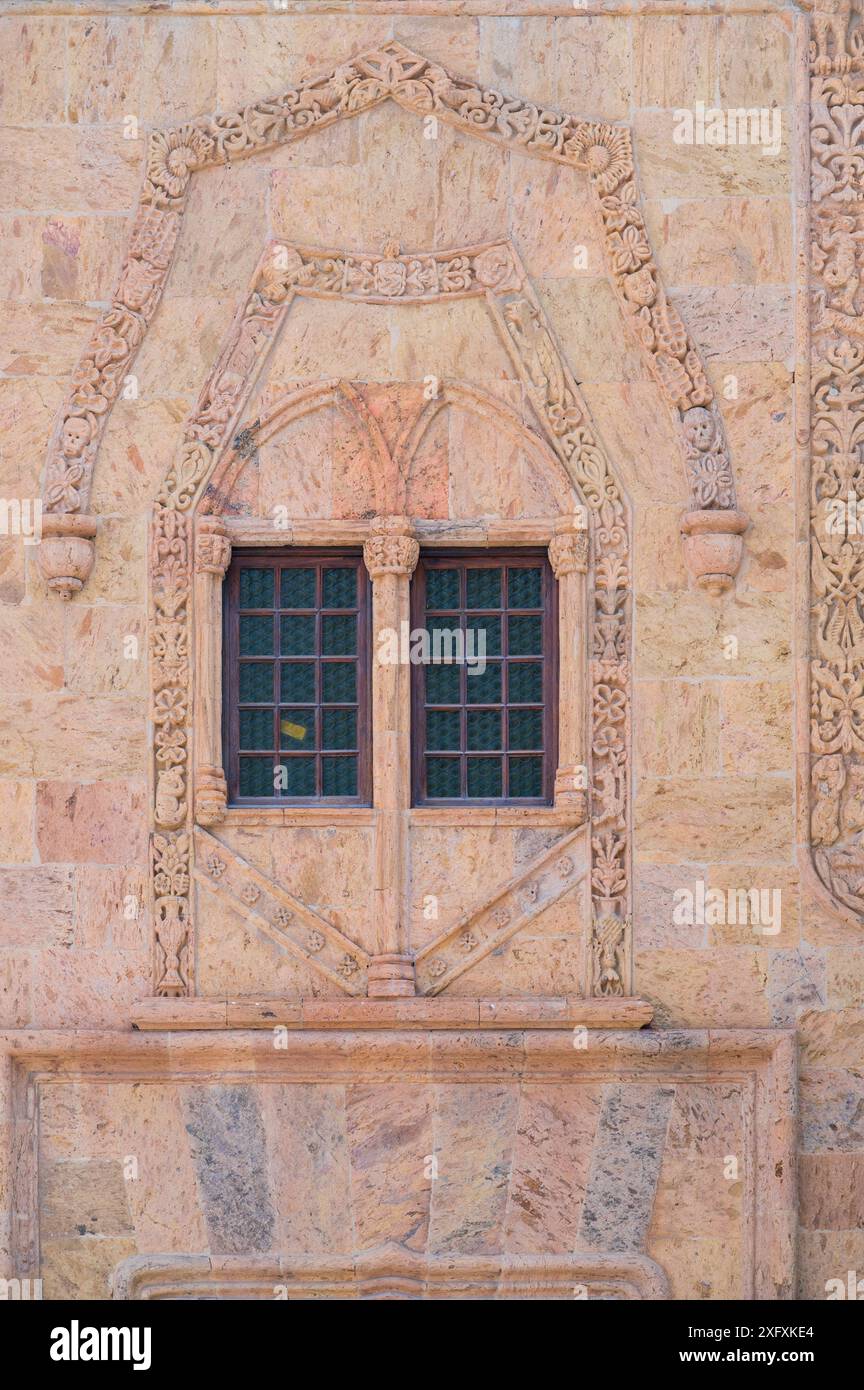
{"points": [[484, 777], [442, 777], [484, 728], [296, 729], [339, 776], [298, 588], [446, 642], [298, 636], [256, 728], [338, 635], [340, 588], [256, 682], [256, 776], [526, 776], [339, 682], [525, 588], [299, 777], [483, 588], [490, 628], [525, 682], [526, 728], [298, 683], [483, 687], [442, 685], [442, 588], [256, 636], [442, 729], [525, 636], [256, 588], [339, 728]]}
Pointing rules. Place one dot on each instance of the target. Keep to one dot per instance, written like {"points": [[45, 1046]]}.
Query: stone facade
{"points": [[396, 279]]}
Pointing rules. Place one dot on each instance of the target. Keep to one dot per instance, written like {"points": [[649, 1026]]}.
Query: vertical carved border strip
{"points": [[837, 454], [170, 593], [171, 560], [566, 421], [492, 270], [601, 150]]}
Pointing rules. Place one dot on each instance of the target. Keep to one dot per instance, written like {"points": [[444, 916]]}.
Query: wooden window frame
{"points": [[491, 559], [276, 559]]}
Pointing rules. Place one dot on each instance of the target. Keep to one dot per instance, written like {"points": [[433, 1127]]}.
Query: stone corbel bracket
{"points": [[393, 72]]}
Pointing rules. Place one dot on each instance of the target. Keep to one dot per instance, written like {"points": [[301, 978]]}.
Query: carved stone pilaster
{"points": [[212, 558], [390, 555], [568, 556]]}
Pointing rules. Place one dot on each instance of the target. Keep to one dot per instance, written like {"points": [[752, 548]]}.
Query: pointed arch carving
{"points": [[600, 150], [210, 456]]}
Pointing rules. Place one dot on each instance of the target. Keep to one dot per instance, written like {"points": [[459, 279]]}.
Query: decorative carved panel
{"points": [[837, 460], [210, 456], [600, 150]]}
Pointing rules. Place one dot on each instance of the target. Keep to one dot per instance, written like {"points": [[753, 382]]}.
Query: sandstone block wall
{"points": [[716, 786]]}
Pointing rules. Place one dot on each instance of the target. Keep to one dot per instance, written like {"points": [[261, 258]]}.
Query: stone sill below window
{"points": [[301, 817], [566, 1012]]}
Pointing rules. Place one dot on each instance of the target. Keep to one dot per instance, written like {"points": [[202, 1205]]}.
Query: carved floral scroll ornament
{"points": [[600, 150], [837, 454], [213, 444]]}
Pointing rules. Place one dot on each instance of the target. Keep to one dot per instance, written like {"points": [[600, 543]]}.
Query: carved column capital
{"points": [[211, 795], [568, 551], [212, 547], [391, 549]]}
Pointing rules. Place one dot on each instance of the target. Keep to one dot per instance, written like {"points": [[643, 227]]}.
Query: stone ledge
{"points": [[187, 1014], [390, 1271]]}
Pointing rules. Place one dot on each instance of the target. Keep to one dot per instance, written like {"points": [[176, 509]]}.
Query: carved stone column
{"points": [[568, 556], [212, 557], [390, 555]]}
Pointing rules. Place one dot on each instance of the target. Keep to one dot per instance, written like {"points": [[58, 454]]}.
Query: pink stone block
{"points": [[97, 822]]}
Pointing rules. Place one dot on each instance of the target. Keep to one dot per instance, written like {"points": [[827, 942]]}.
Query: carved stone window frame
{"points": [[500, 559], [711, 527], [212, 454]]}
